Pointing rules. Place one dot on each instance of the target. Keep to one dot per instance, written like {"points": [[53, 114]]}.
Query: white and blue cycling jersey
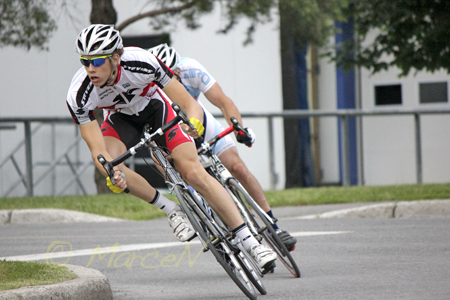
{"points": [[196, 79]]}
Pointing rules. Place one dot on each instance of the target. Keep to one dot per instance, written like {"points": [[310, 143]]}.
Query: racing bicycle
{"points": [[214, 238], [259, 223]]}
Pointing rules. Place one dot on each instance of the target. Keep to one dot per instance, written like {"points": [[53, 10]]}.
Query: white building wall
{"points": [[328, 126], [35, 83], [389, 141], [389, 155]]}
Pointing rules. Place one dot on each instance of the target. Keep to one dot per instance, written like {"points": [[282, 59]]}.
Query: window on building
{"points": [[146, 41], [388, 94], [433, 92], [149, 172]]}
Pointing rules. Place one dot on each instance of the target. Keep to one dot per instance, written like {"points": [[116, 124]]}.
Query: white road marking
{"points": [[125, 248], [311, 233]]}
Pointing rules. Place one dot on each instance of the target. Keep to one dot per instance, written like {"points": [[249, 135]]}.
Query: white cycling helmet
{"points": [[167, 55], [98, 39]]}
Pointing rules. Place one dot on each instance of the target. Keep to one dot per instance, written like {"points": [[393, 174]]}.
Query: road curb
{"points": [[50, 216], [91, 284], [402, 209]]}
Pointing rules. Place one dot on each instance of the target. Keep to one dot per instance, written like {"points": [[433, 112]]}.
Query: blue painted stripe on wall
{"points": [[346, 98], [306, 156]]}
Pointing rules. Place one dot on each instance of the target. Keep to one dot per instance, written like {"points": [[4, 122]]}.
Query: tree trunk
{"points": [[102, 12]]}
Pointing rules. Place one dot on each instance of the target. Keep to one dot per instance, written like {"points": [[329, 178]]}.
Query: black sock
{"points": [[275, 226]]}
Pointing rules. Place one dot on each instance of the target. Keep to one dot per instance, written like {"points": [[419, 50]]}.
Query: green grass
{"points": [[113, 205], [129, 207], [16, 274], [332, 195]]}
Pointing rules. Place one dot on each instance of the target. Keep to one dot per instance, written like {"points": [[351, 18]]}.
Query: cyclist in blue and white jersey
{"points": [[133, 88], [196, 79]]}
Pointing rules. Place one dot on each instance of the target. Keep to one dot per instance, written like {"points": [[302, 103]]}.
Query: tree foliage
{"points": [[311, 21], [25, 23], [407, 34]]}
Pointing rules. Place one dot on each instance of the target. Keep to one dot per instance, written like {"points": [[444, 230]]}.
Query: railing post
{"points": [[418, 148], [273, 174], [345, 151], [28, 158]]}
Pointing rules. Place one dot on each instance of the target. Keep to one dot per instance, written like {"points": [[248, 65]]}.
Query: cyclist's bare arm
{"points": [[93, 137], [216, 96], [177, 93]]}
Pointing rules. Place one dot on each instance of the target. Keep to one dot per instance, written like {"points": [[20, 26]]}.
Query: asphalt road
{"points": [[338, 258]]}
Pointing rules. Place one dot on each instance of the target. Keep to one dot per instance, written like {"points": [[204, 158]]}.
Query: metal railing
{"points": [[26, 177], [343, 115], [78, 168]]}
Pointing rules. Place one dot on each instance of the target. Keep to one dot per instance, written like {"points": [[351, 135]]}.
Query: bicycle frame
{"points": [[174, 180], [240, 196], [214, 237], [215, 168]]}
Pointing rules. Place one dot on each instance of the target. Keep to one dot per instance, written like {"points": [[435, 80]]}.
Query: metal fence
{"points": [[77, 167]]}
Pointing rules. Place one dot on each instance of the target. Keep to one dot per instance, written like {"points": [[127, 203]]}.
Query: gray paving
{"points": [[92, 284]]}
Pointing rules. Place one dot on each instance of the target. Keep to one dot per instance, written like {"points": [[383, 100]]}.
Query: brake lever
{"points": [[107, 165], [183, 116], [238, 127]]}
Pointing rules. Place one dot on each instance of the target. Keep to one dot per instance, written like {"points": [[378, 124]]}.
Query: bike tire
{"points": [[252, 274], [267, 231], [223, 254], [248, 264]]}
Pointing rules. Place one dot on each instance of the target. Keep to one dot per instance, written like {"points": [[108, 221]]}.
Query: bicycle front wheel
{"points": [[264, 227], [213, 241]]}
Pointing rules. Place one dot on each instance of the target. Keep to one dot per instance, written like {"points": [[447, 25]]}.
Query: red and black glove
{"points": [[247, 139]]}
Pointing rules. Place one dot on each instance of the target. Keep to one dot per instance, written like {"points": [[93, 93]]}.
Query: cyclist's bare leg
{"points": [[230, 158], [137, 184], [186, 161]]}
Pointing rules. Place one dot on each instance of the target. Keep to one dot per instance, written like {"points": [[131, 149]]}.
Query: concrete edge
{"points": [[402, 209], [50, 216], [91, 284]]}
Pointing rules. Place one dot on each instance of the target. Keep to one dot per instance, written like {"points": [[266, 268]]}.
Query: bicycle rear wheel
{"points": [[213, 241], [264, 227]]}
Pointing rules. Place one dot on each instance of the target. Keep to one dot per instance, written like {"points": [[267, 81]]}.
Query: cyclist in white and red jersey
{"points": [[196, 79], [132, 87]]}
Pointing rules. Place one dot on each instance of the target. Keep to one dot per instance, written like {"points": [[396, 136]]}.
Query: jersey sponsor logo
{"points": [[128, 94], [105, 93], [172, 134], [81, 113], [84, 92], [138, 67], [192, 73]]}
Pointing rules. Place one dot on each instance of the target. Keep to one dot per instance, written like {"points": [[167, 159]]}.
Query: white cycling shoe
{"points": [[264, 256], [180, 225]]}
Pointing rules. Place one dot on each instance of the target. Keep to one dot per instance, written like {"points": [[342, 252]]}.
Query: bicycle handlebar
{"points": [[109, 165], [235, 127]]}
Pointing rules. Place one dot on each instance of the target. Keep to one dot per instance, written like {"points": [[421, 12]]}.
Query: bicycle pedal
{"points": [[269, 268]]}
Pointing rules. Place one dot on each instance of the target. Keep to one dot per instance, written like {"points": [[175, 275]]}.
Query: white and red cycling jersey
{"points": [[139, 73], [134, 100]]}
